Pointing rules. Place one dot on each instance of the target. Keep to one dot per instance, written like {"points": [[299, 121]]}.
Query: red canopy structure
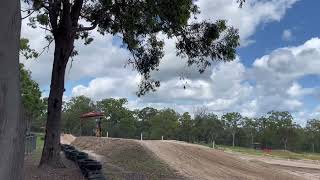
{"points": [[92, 114]]}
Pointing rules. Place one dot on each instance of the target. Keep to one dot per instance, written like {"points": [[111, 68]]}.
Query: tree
{"points": [[31, 97], [213, 127], [186, 125], [144, 123], [250, 127], [233, 121], [12, 127], [138, 23], [71, 116], [165, 123], [207, 127], [284, 124], [265, 131], [313, 130], [120, 120]]}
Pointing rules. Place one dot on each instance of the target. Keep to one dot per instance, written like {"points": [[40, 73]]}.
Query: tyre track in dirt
{"points": [[187, 161], [200, 162]]}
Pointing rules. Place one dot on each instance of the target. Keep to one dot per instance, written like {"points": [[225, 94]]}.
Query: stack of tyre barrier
{"points": [[91, 169]]}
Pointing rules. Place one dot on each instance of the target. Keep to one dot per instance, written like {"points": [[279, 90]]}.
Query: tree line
{"points": [[276, 130]]}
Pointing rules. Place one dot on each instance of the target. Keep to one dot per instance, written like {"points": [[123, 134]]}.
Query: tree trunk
{"points": [[51, 150], [251, 140], [285, 143], [313, 147], [12, 130], [233, 137]]}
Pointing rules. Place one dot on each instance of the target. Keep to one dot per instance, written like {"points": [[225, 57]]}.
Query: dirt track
{"points": [[308, 169], [125, 159], [199, 162]]}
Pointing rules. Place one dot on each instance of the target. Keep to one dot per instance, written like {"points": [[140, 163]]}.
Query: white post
{"points": [[213, 143], [141, 137], [162, 138], [107, 134]]}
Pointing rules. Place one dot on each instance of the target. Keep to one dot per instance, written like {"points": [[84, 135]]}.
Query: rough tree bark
{"points": [[11, 126], [64, 28], [51, 150]]}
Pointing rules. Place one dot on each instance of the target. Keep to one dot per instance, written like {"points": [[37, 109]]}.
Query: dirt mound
{"points": [[199, 162], [133, 159], [126, 159], [67, 138]]}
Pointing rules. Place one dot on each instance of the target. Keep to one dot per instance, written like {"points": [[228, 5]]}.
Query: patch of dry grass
{"points": [[127, 159]]}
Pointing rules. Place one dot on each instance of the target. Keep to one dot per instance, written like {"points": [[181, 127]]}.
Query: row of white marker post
{"points": [[141, 137]]}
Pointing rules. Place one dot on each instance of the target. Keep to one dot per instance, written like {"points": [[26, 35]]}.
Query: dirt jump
{"points": [[133, 159], [199, 162]]}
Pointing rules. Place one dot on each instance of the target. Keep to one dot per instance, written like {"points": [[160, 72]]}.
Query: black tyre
{"points": [[82, 155], [95, 175], [93, 166], [81, 162], [64, 147], [71, 154]]}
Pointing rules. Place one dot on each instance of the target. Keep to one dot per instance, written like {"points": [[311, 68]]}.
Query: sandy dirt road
{"points": [[307, 169], [199, 162]]}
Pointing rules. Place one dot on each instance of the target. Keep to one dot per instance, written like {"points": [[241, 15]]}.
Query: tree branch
{"points": [[80, 29], [28, 15], [45, 28], [75, 12], [54, 8], [46, 47]]}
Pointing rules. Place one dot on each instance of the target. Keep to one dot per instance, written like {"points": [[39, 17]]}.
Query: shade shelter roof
{"points": [[92, 114]]}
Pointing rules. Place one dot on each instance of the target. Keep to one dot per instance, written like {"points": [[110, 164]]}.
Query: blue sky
{"points": [[301, 20], [276, 69]]}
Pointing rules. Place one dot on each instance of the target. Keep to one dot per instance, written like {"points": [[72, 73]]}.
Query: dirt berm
{"points": [[132, 159]]}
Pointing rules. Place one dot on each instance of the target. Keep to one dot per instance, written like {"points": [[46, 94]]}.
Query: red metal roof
{"points": [[92, 114]]}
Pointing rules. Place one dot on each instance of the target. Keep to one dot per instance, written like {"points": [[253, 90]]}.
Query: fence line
{"points": [[30, 143]]}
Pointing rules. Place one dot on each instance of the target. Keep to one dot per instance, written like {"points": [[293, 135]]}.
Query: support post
{"points": [[213, 144], [161, 138], [141, 137], [107, 134]]}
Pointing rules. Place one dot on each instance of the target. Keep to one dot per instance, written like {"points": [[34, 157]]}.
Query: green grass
{"points": [[274, 153], [36, 155]]}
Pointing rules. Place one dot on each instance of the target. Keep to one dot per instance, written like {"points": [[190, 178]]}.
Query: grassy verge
{"points": [[36, 155], [273, 153]]}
